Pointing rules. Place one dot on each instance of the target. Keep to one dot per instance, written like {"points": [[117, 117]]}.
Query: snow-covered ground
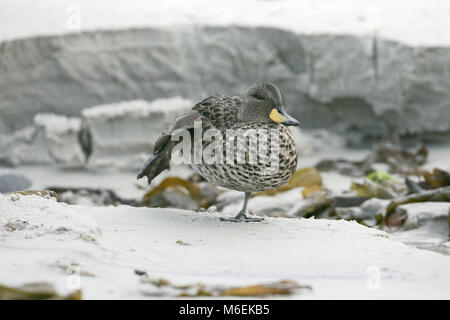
{"points": [[105, 246], [414, 22], [124, 182], [100, 248], [48, 241]]}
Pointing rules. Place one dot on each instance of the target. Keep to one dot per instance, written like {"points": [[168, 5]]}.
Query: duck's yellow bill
{"points": [[278, 114], [277, 117]]}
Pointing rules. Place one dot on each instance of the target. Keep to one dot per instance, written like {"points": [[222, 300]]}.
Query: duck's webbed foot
{"points": [[242, 218]]}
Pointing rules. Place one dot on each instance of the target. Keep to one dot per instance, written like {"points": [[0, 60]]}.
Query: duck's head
{"points": [[263, 102]]}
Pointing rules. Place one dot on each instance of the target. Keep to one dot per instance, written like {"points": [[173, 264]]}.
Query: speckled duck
{"points": [[260, 108]]}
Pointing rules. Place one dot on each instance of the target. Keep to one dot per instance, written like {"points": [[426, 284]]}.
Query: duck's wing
{"points": [[214, 112], [160, 160], [221, 111]]}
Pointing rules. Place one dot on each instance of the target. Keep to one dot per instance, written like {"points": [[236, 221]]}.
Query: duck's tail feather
{"points": [[162, 150], [157, 163]]}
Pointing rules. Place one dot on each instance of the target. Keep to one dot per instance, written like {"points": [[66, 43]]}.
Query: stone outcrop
{"points": [[356, 85], [123, 134]]}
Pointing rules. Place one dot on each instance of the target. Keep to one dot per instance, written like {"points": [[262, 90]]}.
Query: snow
{"points": [[57, 124], [43, 240], [339, 259], [107, 244], [418, 213], [426, 226], [412, 21], [123, 134], [136, 108], [62, 135], [52, 138]]}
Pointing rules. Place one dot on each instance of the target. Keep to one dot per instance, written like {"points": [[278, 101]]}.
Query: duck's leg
{"points": [[242, 216]]}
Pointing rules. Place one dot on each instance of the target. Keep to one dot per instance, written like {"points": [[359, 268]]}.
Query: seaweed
{"points": [[163, 287], [204, 199], [35, 291], [305, 177]]}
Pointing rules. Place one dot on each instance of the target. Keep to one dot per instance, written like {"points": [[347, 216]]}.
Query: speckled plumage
{"points": [[221, 112], [259, 164]]}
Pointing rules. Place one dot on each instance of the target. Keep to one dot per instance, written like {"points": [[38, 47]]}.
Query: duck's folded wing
{"points": [[160, 160]]}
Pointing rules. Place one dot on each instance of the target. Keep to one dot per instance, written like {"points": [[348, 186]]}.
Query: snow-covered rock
{"points": [[52, 139], [310, 142], [339, 259], [12, 181], [426, 226], [41, 216], [367, 211], [231, 203], [123, 134], [418, 214], [63, 134], [26, 146], [359, 85]]}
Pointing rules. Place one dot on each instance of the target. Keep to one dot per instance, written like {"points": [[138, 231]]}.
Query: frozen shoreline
{"points": [[108, 243]]}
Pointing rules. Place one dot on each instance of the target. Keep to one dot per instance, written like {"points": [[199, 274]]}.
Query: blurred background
{"points": [[87, 86]]}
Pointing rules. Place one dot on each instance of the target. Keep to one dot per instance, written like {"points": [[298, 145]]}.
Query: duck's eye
{"points": [[258, 96]]}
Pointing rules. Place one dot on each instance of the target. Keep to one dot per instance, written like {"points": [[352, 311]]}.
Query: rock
{"points": [[370, 212], [10, 181], [435, 195], [52, 139], [91, 197], [26, 146], [309, 142], [346, 167], [212, 209], [373, 207], [356, 85], [119, 135], [413, 186], [42, 213], [419, 214], [425, 225], [15, 225], [347, 201], [63, 138], [399, 159], [314, 205], [426, 84], [123, 134]]}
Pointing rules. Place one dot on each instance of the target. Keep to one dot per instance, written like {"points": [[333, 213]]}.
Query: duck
{"points": [[265, 159]]}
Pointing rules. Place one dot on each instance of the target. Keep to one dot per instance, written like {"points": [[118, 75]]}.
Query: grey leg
{"points": [[241, 216]]}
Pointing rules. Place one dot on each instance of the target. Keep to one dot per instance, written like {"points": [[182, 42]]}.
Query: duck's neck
{"points": [[243, 113], [247, 113]]}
